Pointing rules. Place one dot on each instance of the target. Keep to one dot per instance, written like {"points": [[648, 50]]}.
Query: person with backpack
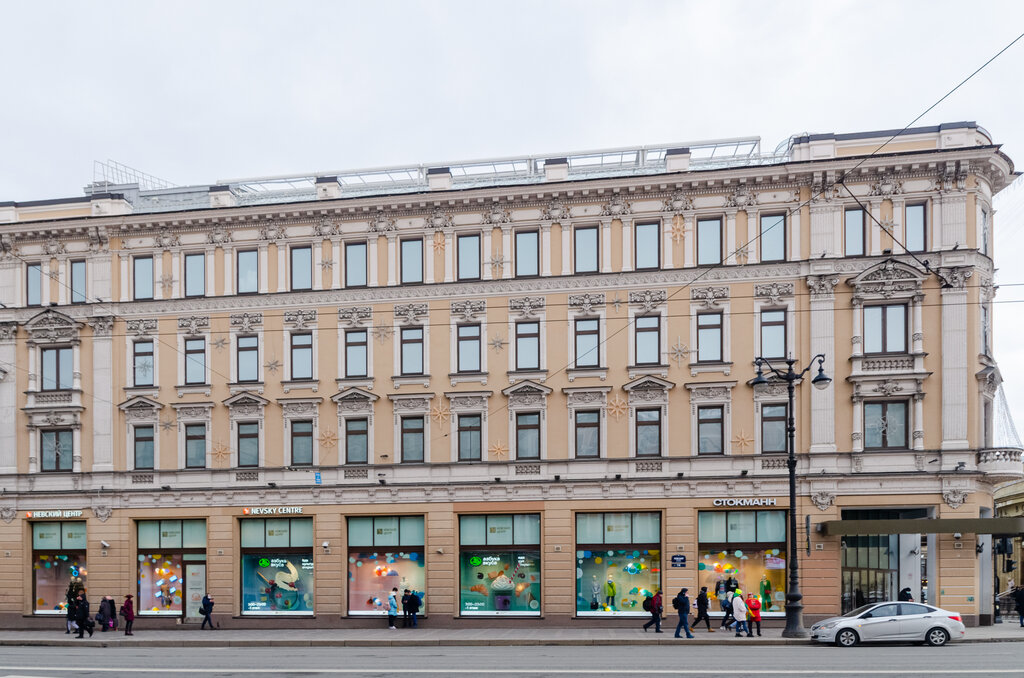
{"points": [[82, 615], [206, 609], [702, 609], [652, 604], [411, 606], [727, 619], [682, 605]]}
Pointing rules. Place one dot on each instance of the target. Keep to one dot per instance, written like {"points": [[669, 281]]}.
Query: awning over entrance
{"points": [[1001, 526]]}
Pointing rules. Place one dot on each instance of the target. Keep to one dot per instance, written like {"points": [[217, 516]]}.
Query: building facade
{"points": [[518, 387]]}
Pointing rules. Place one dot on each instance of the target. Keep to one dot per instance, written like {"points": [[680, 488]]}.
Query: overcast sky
{"points": [[193, 92]]}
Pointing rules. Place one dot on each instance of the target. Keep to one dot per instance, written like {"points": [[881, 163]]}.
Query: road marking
{"points": [[522, 672]]}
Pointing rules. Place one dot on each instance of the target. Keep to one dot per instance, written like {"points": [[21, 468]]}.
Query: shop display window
{"points": [[499, 565], [746, 551], [277, 566], [58, 564], [618, 562], [384, 552], [164, 548]]}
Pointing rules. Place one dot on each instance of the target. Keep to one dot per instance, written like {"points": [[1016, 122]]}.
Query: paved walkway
{"points": [[1007, 632]]}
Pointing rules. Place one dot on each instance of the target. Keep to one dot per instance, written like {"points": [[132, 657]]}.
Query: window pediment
{"points": [[141, 409], [526, 394], [52, 327], [888, 280]]}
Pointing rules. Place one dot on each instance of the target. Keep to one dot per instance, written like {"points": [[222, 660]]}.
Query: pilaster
{"points": [[822, 303], [954, 358]]}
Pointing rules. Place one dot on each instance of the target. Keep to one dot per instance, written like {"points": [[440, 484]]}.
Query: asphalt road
{"points": [[984, 659]]}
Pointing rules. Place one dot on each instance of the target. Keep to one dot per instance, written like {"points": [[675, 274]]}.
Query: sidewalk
{"points": [[424, 636]]}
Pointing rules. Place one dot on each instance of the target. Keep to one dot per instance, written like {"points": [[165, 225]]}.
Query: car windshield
{"points": [[860, 610]]}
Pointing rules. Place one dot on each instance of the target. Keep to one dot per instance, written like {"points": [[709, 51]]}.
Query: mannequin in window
{"points": [[766, 593], [610, 591], [595, 592]]}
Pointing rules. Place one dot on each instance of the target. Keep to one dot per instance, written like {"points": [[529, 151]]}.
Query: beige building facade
{"points": [[519, 388]]}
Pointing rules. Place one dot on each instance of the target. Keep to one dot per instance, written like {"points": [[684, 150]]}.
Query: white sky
{"points": [[193, 92]]}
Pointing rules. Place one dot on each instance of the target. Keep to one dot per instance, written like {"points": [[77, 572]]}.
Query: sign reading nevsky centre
{"points": [[271, 510], [70, 513], [745, 501]]}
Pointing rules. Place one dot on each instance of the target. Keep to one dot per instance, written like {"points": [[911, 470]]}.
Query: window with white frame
{"points": [[247, 275], [195, 445], [588, 341], [709, 242], [412, 261], [34, 284], [78, 284], [57, 368], [468, 249], [412, 350], [355, 264], [648, 432], [356, 353], [356, 440], [710, 429], [195, 274], [853, 232], [586, 249], [528, 345], [143, 444], [195, 361], [587, 433], [647, 246], [885, 425], [527, 253], [143, 368], [470, 437], [885, 328], [773, 428], [248, 358], [468, 348], [57, 447], [412, 435], [984, 231], [709, 337], [773, 333], [527, 435], [302, 442], [142, 277], [773, 237], [647, 339], [916, 238], [248, 440], [302, 268], [302, 356]]}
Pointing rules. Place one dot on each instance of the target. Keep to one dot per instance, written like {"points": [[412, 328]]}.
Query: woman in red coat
{"points": [[128, 612], [754, 611]]}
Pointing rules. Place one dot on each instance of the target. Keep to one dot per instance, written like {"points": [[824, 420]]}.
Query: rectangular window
{"points": [[917, 238], [412, 350], [412, 439], [302, 268], [853, 233], [648, 432], [709, 242], [527, 253], [142, 363], [34, 284], [647, 246], [468, 247], [773, 334], [710, 430], [355, 264], [470, 443], [195, 361], [491, 544], [885, 329], [528, 435], [144, 447], [587, 341], [468, 348], [302, 443], [272, 546], [412, 261], [57, 450], [142, 270], [302, 356], [984, 231], [356, 440], [603, 587], [402, 538], [58, 559], [248, 359], [249, 444], [588, 434], [647, 337], [248, 273], [709, 337], [528, 346], [195, 275], [78, 287], [773, 429], [195, 446], [355, 353], [885, 425], [170, 552], [773, 237], [57, 369], [587, 250]]}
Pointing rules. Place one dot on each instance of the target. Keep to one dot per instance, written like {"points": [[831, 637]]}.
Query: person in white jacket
{"points": [[739, 611]]}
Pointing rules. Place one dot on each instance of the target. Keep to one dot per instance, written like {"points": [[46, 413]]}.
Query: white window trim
{"points": [[711, 394], [288, 377], [182, 387], [521, 405], [397, 376], [453, 354], [130, 341], [588, 399], [183, 271], [725, 366], [759, 404], [539, 317], [234, 442], [662, 366], [463, 403], [787, 305], [131, 426], [184, 421], [287, 417], [601, 315], [412, 411], [259, 355], [364, 411]]}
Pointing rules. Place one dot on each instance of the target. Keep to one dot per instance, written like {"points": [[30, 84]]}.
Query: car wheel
{"points": [[847, 638], [937, 637]]}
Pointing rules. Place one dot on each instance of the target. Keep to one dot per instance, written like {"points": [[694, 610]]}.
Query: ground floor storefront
{"points": [[283, 563]]}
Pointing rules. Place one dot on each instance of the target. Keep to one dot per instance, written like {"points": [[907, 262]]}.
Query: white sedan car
{"points": [[890, 622]]}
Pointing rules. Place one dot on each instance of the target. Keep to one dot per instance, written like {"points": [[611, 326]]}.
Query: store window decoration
{"points": [[384, 552], [743, 550], [499, 565], [58, 564], [165, 547], [277, 566], [618, 562]]}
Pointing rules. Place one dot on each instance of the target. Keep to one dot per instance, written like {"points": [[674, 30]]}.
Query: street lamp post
{"points": [[794, 608]]}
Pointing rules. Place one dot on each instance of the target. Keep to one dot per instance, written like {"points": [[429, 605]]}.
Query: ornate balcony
{"points": [[1001, 463]]}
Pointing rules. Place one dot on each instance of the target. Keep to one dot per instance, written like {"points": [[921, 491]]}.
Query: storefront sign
{"points": [[678, 560], [74, 513], [745, 501], [271, 510]]}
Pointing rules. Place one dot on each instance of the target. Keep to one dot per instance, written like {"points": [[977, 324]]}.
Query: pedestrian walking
{"points": [[739, 613], [206, 610], [727, 619], [753, 613], [71, 600], [392, 608], [653, 605], [682, 604], [128, 612], [413, 607], [82, 615], [1018, 597], [702, 609]]}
